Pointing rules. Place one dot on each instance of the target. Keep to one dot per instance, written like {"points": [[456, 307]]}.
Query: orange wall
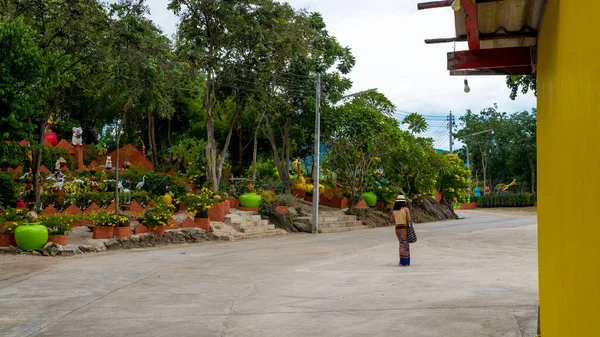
{"points": [[569, 169]]}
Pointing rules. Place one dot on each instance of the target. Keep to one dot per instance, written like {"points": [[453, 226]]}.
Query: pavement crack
{"points": [[231, 309]]}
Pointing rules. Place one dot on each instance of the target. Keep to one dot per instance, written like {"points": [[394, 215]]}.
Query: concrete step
{"points": [[270, 233], [341, 229], [341, 224], [327, 220], [253, 230]]}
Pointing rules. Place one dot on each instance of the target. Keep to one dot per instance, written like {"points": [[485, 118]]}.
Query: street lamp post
{"points": [[469, 157], [317, 155]]}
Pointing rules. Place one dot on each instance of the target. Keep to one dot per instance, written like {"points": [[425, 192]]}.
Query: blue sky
{"points": [[386, 37]]}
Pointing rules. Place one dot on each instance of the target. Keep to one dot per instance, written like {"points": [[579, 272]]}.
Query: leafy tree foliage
{"points": [[508, 153], [523, 82]]}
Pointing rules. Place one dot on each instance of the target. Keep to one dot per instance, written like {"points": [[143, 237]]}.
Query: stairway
{"points": [[331, 220], [250, 225]]}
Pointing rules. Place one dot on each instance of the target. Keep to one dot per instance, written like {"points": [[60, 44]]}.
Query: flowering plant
{"points": [[14, 214], [159, 215], [58, 224], [199, 204], [104, 218]]}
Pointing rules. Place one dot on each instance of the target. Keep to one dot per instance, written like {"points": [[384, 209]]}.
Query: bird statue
{"points": [[58, 185], [140, 185]]}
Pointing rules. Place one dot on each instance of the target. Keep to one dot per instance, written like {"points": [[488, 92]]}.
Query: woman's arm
{"points": [[408, 217]]}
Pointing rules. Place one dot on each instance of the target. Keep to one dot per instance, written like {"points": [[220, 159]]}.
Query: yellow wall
{"points": [[569, 168]]}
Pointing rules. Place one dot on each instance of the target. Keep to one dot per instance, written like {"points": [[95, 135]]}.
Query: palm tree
{"points": [[416, 123]]}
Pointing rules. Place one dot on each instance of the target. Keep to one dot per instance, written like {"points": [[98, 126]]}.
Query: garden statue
{"points": [[59, 179], [93, 182], [298, 183], [477, 191], [108, 163], [77, 139], [60, 164], [250, 187], [504, 188], [168, 197], [140, 185]]}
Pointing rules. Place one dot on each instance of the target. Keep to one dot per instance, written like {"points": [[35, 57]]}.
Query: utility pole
{"points": [[450, 126], [315, 217], [317, 158]]}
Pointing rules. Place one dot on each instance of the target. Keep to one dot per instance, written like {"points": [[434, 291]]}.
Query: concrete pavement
{"points": [[470, 277]]}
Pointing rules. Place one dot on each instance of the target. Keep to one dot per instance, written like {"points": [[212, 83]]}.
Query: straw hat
{"points": [[400, 197]]}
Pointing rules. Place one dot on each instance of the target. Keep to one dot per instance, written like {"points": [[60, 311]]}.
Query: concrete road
{"points": [[471, 277]]}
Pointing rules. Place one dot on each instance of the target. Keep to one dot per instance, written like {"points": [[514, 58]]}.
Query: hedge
{"points": [[506, 200]]}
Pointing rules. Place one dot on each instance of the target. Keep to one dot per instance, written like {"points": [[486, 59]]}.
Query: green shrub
{"points": [[506, 200], [8, 192]]}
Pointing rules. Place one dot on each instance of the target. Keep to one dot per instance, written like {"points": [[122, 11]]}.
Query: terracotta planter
{"points": [[380, 204], [7, 240], [233, 203], [58, 239], [103, 232], [282, 210], [217, 212], [308, 198], [158, 230], [226, 207], [203, 223], [140, 229], [122, 232], [82, 223], [299, 193], [472, 205]]}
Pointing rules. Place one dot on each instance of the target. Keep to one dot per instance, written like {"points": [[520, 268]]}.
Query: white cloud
{"points": [[386, 37]]}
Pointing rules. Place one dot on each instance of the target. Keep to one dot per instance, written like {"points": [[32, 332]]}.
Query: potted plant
{"points": [[122, 227], [159, 216], [59, 226], [282, 201], [198, 206], [218, 210], [104, 224], [7, 231]]}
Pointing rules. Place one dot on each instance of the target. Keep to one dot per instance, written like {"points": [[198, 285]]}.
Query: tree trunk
{"points": [[170, 142], [532, 169], [37, 161], [150, 138], [285, 178], [241, 151], [154, 147], [211, 153], [238, 110], [116, 163], [484, 167], [255, 149]]}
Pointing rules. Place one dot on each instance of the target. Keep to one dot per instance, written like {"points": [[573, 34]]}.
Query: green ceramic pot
{"points": [[370, 198], [31, 236], [250, 200]]}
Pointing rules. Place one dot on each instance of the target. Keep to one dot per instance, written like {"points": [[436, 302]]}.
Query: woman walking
{"points": [[401, 217]]}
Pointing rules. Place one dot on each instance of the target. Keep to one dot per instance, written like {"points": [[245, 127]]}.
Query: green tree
{"points": [[137, 76], [452, 181], [416, 123], [524, 82], [22, 68], [68, 32]]}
